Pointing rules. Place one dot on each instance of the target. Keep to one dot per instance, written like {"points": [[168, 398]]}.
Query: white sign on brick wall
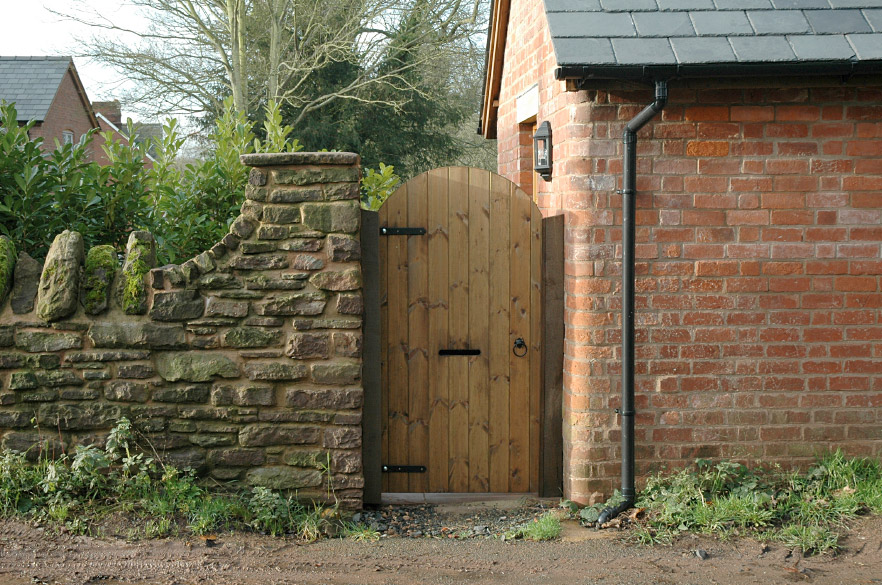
{"points": [[528, 104]]}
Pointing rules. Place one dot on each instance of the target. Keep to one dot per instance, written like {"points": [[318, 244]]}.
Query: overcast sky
{"points": [[30, 29]]}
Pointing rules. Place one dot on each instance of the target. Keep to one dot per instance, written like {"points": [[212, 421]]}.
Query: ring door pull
{"points": [[520, 347]]}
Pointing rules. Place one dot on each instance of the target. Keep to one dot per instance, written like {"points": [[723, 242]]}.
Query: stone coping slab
{"points": [[299, 158]]}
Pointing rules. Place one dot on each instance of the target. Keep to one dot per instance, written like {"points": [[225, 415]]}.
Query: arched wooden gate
{"points": [[463, 287]]}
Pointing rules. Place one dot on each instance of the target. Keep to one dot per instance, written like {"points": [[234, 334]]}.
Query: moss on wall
{"points": [[7, 265], [101, 266]]}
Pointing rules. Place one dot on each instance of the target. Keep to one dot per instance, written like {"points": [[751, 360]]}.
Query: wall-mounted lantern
{"points": [[542, 151]]}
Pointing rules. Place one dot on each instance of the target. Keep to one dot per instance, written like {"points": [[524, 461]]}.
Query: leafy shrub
{"points": [[188, 207], [377, 186]]}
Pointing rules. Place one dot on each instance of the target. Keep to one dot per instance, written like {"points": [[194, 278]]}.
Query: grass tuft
{"points": [[545, 527], [807, 510]]}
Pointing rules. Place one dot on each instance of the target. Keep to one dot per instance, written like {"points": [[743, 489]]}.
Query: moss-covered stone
{"points": [[295, 304], [193, 393], [101, 266], [7, 265], [7, 335], [275, 371], [26, 283], [23, 381], [242, 337], [140, 258], [310, 176], [284, 478], [337, 280], [195, 367], [124, 335], [178, 305], [314, 459], [40, 341], [59, 289], [263, 435], [338, 217]]}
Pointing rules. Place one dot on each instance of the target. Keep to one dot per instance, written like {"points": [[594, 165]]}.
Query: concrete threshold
{"points": [[403, 499]]}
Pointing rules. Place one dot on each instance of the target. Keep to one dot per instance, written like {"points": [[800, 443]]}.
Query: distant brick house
{"points": [[47, 90], [109, 116], [758, 316]]}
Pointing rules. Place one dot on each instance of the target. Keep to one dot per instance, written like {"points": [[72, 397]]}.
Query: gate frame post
{"points": [[371, 423], [551, 405]]}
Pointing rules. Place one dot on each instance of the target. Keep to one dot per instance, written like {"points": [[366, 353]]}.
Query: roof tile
{"points": [[874, 17], [854, 4], [721, 23], [762, 49], [628, 5], [572, 5], [821, 47], [643, 51], [866, 46], [702, 49], [837, 21], [663, 24], [573, 51], [742, 4], [778, 22], [686, 4], [714, 32], [591, 24], [789, 4], [31, 82]]}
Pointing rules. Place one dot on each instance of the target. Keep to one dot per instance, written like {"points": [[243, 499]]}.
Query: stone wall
{"points": [[243, 363]]}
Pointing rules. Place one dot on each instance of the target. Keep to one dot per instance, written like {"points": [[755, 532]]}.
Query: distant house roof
{"points": [[666, 38], [32, 82]]}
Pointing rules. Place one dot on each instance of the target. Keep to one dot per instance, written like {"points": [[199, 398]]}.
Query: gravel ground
{"points": [[30, 555], [460, 521]]}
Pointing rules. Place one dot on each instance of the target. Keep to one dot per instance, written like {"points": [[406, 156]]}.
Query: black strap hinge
{"points": [[404, 469], [402, 231]]}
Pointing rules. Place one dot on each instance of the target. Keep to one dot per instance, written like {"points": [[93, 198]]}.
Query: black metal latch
{"points": [[404, 469], [459, 352], [402, 231]]}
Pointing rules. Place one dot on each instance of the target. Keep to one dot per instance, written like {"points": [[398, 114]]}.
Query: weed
{"points": [[545, 527], [807, 510], [359, 532], [75, 492]]}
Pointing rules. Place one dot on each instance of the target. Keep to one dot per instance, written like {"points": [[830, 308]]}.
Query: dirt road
{"points": [[581, 557]]}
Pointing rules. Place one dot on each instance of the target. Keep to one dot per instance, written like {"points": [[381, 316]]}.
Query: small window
{"points": [[67, 137]]}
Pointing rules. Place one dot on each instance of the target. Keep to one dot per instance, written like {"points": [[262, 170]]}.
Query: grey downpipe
{"points": [[629, 191]]}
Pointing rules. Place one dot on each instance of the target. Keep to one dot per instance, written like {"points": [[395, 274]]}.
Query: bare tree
{"points": [[195, 52]]}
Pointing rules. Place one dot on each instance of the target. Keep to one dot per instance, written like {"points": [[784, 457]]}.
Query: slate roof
{"points": [[31, 82], [634, 38]]}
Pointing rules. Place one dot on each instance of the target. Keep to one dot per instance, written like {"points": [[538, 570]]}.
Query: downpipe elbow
{"points": [[611, 512]]}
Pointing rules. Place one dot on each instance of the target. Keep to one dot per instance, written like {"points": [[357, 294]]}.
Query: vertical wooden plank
{"points": [[371, 421], [458, 213], [535, 342], [418, 332], [479, 324], [551, 450], [383, 244], [499, 349], [398, 340], [519, 405], [439, 402]]}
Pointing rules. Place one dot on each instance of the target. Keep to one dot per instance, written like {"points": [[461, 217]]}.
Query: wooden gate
{"points": [[460, 278]]}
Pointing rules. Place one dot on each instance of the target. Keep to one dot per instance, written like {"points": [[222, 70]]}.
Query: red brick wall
{"points": [[67, 112], [759, 294]]}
